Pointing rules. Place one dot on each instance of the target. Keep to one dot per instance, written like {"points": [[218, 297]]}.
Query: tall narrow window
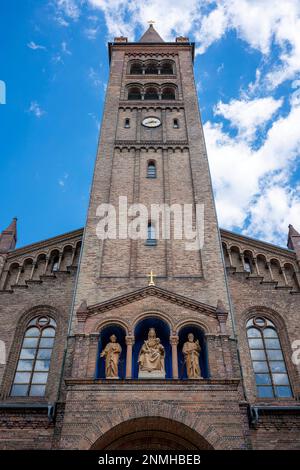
{"points": [[34, 362], [151, 237], [175, 123], [269, 367], [127, 123], [151, 170]]}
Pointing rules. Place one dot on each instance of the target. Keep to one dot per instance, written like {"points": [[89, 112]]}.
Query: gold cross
{"points": [[151, 279], [151, 22]]}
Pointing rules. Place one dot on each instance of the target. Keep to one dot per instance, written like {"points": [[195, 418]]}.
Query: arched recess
{"points": [[155, 433], [162, 330], [203, 360], [104, 339], [103, 422]]}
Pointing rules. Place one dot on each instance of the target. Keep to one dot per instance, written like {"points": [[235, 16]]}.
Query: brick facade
{"points": [[214, 291]]}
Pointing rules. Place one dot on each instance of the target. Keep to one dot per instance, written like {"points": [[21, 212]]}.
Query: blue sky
{"points": [[54, 63]]}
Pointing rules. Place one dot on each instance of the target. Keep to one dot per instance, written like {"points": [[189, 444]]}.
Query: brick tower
{"points": [[152, 151]]}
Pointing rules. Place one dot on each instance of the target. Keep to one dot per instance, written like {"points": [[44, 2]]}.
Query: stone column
{"points": [[268, 264], [18, 275], [284, 275], [46, 264], [129, 343], [256, 265], [34, 265], [174, 343]]}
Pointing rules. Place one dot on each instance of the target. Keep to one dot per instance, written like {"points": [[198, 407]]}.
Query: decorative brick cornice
{"points": [[45, 243], [226, 236]]}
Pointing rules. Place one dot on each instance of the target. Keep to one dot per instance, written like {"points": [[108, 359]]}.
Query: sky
{"points": [[54, 64]]}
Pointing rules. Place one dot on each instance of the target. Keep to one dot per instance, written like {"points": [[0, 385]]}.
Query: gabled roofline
{"points": [[146, 291]]}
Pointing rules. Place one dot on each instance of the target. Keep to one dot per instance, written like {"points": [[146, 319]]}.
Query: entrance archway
{"points": [[155, 433]]}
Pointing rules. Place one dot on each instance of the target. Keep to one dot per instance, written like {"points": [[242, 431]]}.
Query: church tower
{"points": [[153, 290]]}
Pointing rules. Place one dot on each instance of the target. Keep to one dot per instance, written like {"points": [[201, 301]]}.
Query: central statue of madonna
{"points": [[152, 358]]}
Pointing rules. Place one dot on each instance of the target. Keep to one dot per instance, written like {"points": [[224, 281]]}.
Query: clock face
{"points": [[151, 122]]}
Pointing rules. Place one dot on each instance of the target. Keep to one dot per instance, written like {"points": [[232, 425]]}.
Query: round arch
{"points": [[151, 433], [101, 425]]}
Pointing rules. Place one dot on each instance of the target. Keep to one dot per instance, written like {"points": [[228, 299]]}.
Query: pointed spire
{"points": [[151, 35], [293, 242], [8, 238]]}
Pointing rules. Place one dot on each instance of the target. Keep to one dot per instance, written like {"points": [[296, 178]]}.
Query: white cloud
{"points": [[247, 116], [62, 181], [36, 109], [260, 23], [64, 48], [246, 178], [32, 45], [273, 211], [95, 77], [66, 10]]}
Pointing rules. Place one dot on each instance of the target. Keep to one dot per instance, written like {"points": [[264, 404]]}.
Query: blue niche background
{"points": [[183, 337], [162, 332], [103, 340]]}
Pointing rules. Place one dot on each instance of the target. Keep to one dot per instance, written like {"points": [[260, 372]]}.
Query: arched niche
{"points": [[183, 337], [141, 334], [104, 338]]}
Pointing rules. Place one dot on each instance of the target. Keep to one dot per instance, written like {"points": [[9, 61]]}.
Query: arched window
{"points": [[34, 362], [175, 123], [167, 68], [151, 69], [151, 94], [168, 94], [151, 235], [136, 69], [269, 367], [127, 123], [151, 169], [134, 93]]}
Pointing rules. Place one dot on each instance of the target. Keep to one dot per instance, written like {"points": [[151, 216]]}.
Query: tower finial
{"points": [[151, 22]]}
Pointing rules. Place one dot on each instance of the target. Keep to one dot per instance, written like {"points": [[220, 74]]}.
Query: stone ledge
{"points": [[200, 383]]}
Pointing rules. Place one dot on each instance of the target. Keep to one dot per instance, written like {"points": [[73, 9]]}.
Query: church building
{"points": [[130, 343]]}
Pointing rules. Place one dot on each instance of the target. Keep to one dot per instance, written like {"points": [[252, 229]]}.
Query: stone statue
{"points": [[112, 352], [191, 352], [151, 358]]}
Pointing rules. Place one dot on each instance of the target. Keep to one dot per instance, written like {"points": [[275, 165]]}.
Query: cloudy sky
{"points": [[53, 60]]}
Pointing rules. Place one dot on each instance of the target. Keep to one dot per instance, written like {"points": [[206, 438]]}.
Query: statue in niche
{"points": [[111, 353], [191, 353], [151, 358]]}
